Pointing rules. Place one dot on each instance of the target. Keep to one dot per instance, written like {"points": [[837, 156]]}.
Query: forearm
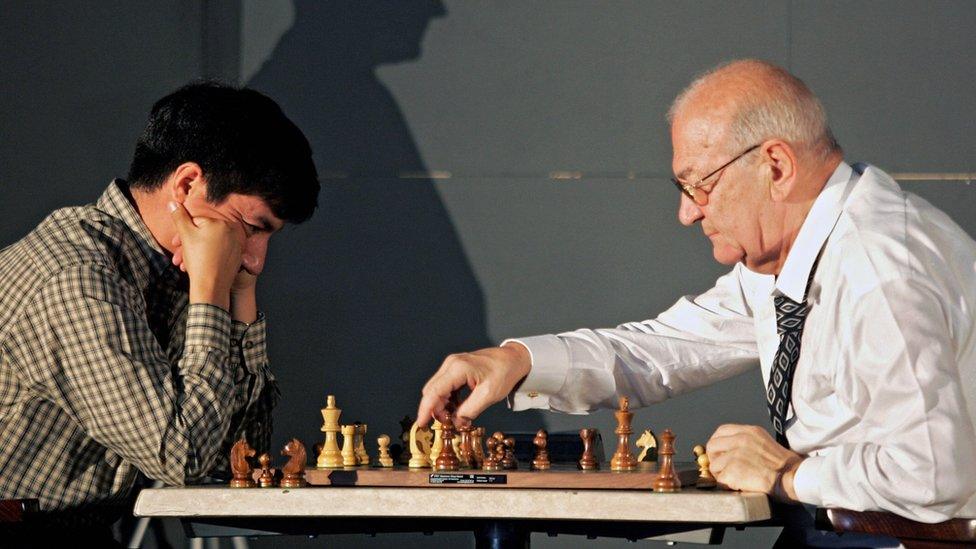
{"points": [[244, 305], [698, 341], [578, 372]]}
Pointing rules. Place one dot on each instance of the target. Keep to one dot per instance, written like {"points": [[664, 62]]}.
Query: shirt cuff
{"points": [[806, 482], [208, 327], [550, 365]]}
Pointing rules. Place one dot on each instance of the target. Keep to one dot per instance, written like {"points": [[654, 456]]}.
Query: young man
{"points": [[130, 338]]}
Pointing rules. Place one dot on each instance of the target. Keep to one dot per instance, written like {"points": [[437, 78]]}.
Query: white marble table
{"points": [[498, 517]]}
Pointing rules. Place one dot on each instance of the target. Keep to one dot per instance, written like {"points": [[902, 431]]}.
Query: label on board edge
{"points": [[467, 478]]}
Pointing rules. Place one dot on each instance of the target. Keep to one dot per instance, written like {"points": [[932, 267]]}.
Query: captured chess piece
{"points": [[383, 442], [447, 460], [239, 465], [266, 480], [330, 456], [418, 459], [623, 459], [648, 442], [705, 479], [541, 460], [667, 478], [405, 425], [509, 462], [294, 470], [349, 446], [588, 461], [491, 462]]}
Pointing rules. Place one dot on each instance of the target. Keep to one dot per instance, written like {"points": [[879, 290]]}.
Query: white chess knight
{"points": [[647, 441], [420, 441]]}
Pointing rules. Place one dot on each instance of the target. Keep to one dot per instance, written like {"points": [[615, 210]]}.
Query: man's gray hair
{"points": [[786, 110]]}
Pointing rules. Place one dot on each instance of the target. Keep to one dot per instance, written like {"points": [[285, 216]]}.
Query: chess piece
{"points": [[383, 442], [239, 465], [447, 460], [424, 439], [362, 458], [667, 478], [477, 444], [349, 446], [705, 479], [418, 459], [623, 459], [648, 442], [294, 470], [500, 449], [491, 463], [435, 449], [330, 456], [541, 460], [267, 479], [466, 451], [405, 425], [508, 461], [588, 461]]}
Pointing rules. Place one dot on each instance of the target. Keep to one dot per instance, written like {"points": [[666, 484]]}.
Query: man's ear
{"points": [[185, 180], [780, 161]]}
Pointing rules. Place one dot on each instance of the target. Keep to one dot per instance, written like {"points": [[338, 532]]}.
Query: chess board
{"points": [[559, 476]]}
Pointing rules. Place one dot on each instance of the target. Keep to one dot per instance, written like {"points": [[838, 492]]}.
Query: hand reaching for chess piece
{"points": [[490, 373]]}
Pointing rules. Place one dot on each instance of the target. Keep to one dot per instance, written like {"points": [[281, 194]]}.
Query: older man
{"points": [[874, 285]]}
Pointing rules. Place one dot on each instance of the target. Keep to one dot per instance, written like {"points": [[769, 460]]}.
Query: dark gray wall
{"points": [[502, 101]]}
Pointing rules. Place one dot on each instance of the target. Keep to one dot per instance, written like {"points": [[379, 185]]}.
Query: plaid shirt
{"points": [[107, 370]]}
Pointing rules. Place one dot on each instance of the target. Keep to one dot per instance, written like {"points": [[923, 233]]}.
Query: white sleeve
{"points": [[901, 378], [698, 341]]}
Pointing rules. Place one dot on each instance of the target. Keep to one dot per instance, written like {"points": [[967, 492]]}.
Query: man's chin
{"points": [[726, 255]]}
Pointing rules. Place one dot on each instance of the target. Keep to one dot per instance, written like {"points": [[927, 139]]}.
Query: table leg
{"points": [[501, 535]]}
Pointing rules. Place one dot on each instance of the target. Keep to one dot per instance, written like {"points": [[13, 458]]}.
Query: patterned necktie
{"points": [[790, 317]]}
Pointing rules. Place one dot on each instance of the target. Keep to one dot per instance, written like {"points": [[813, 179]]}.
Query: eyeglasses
{"points": [[690, 189]]}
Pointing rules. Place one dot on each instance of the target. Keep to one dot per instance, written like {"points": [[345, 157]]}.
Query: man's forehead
{"points": [[694, 139]]}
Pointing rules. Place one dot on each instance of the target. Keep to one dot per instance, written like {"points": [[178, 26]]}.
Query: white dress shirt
{"points": [[884, 393]]}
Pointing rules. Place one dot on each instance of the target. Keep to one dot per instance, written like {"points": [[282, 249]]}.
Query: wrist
{"points": [[243, 306], [203, 294], [521, 358], [785, 488]]}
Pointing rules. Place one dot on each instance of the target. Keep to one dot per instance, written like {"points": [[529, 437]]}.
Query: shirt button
{"points": [[248, 344], [533, 394]]}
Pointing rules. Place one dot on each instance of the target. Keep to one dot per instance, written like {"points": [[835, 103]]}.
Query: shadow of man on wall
{"points": [[375, 290]]}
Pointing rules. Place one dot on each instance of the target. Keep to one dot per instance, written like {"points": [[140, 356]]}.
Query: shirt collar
{"points": [[819, 223], [115, 202]]}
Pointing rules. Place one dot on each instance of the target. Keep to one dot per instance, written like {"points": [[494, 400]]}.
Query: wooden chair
{"points": [[13, 511], [913, 535]]}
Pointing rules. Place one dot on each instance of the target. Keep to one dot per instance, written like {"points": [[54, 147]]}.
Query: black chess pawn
{"points": [[508, 447], [541, 461], [267, 479], [491, 463]]}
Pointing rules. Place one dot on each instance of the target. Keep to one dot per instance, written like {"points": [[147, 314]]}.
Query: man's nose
{"points": [[689, 212], [254, 253]]}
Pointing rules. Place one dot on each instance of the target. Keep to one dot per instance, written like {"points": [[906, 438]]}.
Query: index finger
{"points": [[438, 395]]}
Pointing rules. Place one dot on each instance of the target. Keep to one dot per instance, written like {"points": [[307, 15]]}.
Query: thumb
{"points": [[181, 217], [474, 405]]}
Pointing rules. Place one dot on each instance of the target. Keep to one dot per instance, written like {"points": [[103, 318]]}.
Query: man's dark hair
{"points": [[242, 141]]}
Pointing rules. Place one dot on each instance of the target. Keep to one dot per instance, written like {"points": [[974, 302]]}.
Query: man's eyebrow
{"points": [[265, 224]]}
